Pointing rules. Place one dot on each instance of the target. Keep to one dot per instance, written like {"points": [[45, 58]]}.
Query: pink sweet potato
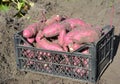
{"points": [[30, 31], [80, 72], [85, 62], [52, 30], [86, 36], [31, 40], [39, 36], [29, 63], [53, 19], [76, 61], [75, 22], [68, 37], [61, 37], [65, 48], [85, 51], [26, 44], [29, 53], [81, 36], [45, 44], [55, 29]]}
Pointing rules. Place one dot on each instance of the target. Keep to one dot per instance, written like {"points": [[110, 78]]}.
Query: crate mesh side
{"points": [[54, 63], [104, 51]]}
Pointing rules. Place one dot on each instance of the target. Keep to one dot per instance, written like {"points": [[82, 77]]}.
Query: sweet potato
{"points": [[53, 19], [69, 35], [75, 22], [65, 48], [29, 63], [52, 30], [61, 37], [83, 72], [39, 36], [30, 31], [82, 36], [31, 40], [76, 61], [29, 53], [85, 51], [86, 36], [45, 44], [80, 72], [85, 62], [26, 44]]}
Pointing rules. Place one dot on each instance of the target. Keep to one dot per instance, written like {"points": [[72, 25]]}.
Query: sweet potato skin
{"points": [[75, 22], [30, 31], [31, 40], [45, 44], [86, 36], [68, 37], [80, 36], [39, 36], [52, 30], [61, 37], [53, 19]]}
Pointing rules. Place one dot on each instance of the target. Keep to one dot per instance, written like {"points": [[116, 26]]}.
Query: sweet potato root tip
{"points": [[30, 31], [31, 40], [27, 33], [74, 46], [53, 19]]}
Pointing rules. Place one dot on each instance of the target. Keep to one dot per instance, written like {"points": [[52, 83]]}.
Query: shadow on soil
{"points": [[116, 44]]}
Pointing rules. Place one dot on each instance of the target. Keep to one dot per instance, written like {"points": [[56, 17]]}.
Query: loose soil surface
{"points": [[95, 12]]}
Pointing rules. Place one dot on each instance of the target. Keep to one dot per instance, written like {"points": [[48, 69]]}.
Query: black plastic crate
{"points": [[54, 62]]}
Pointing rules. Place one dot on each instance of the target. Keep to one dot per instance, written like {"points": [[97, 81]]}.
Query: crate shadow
{"points": [[116, 45]]}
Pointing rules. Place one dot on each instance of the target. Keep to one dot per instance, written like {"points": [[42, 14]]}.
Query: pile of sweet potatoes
{"points": [[61, 34]]}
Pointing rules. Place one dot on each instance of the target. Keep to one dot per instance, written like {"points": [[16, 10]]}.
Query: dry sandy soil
{"points": [[96, 12]]}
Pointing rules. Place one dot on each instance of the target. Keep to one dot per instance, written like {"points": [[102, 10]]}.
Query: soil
{"points": [[95, 12]]}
